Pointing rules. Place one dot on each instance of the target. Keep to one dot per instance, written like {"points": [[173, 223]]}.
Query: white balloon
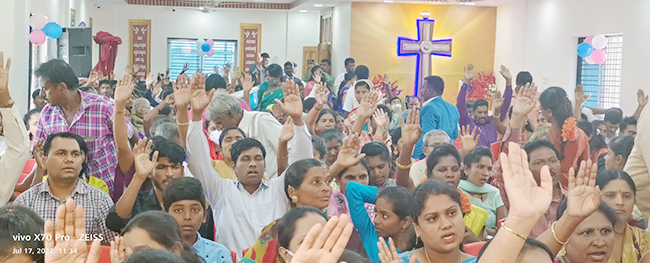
{"points": [[599, 42], [589, 60], [38, 21], [200, 42], [200, 52]]}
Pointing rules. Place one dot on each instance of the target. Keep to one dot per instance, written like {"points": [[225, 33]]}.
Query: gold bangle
{"points": [[555, 236], [497, 116], [513, 232], [404, 167], [284, 157], [183, 123], [120, 111]]}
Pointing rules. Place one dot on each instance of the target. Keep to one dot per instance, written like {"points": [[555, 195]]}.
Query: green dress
{"points": [[267, 97]]}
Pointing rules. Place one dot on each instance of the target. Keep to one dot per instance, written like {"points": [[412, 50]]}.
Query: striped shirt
{"points": [[96, 204], [94, 123]]}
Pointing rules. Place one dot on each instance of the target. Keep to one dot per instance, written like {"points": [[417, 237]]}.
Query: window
{"points": [[603, 81], [183, 51]]}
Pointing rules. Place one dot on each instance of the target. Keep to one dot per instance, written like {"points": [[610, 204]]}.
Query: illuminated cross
{"points": [[424, 47]]}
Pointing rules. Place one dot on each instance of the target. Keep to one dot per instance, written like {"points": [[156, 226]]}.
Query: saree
{"points": [[267, 97], [635, 244], [491, 203]]}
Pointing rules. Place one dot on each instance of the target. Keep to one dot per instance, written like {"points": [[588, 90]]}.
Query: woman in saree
{"points": [[271, 89]]}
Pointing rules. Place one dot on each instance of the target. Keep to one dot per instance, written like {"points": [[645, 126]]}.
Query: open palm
{"points": [[292, 104], [348, 154], [4, 71], [527, 199], [469, 72], [325, 244], [69, 221], [411, 130], [584, 196], [124, 89], [505, 72], [288, 131], [141, 152], [322, 93], [182, 94], [468, 139], [368, 103], [524, 102]]}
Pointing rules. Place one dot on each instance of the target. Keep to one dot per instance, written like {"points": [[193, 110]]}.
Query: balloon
{"points": [[599, 42], [200, 42], [210, 42], [200, 52], [589, 39], [53, 30], [205, 47], [589, 60], [37, 21], [584, 50], [37, 37], [599, 56], [210, 53]]}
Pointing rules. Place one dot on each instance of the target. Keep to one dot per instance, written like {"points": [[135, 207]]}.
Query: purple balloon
{"points": [[210, 42], [589, 39], [210, 53], [37, 37]]}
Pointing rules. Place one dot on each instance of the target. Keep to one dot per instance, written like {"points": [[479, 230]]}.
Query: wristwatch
{"points": [[7, 104]]}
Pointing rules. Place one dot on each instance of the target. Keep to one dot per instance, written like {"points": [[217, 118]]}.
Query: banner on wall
{"points": [[250, 44], [140, 45]]}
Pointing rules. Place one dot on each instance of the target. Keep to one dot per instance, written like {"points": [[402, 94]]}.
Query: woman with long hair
{"points": [[572, 143]]}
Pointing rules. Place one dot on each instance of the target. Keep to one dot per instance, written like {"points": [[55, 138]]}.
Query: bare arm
{"points": [[286, 135], [411, 132], [247, 85], [497, 106], [148, 118], [182, 95], [123, 90], [321, 94], [643, 100], [143, 168]]}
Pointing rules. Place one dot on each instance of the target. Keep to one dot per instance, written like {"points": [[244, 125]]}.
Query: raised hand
{"points": [[186, 67], [226, 69], [468, 139], [380, 118], [584, 196], [386, 80], [321, 93], [411, 130], [292, 104], [69, 222], [288, 131], [523, 104], [497, 102], [200, 98], [368, 104], [182, 94], [505, 72], [325, 244], [141, 152], [118, 252], [4, 72], [150, 79], [469, 73], [389, 254], [348, 154], [124, 89], [642, 98], [39, 153], [581, 98], [169, 100], [527, 199], [93, 77], [247, 82]]}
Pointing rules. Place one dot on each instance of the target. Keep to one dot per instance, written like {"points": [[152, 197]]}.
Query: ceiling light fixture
{"points": [[318, 5], [467, 3], [388, 1], [303, 11]]}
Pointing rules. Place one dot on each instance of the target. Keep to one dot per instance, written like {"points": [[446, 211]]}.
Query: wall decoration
{"points": [[140, 46], [251, 41]]}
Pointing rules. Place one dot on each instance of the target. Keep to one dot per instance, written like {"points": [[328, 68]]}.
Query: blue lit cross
{"points": [[424, 47]]}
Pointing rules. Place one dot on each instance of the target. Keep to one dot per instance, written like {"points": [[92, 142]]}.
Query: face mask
{"points": [[396, 107], [214, 136], [273, 83]]}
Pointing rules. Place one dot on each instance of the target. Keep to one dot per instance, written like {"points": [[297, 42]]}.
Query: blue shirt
{"points": [[358, 194], [210, 251], [437, 115]]}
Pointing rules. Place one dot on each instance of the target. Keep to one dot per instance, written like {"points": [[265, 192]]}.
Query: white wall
{"points": [[341, 18], [541, 37], [14, 14], [283, 33]]}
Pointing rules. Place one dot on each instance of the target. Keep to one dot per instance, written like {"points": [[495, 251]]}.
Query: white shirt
{"points": [[348, 104], [13, 161], [429, 100], [263, 127], [337, 83], [418, 171], [239, 217]]}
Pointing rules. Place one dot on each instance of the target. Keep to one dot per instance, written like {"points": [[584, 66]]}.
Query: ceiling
{"points": [[294, 5]]}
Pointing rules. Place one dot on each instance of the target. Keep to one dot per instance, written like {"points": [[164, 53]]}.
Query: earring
{"points": [[417, 240], [395, 152], [294, 199]]}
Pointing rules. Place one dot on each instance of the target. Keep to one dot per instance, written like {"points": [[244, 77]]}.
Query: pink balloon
{"points": [[37, 37], [210, 53], [599, 56], [589, 39], [210, 42]]}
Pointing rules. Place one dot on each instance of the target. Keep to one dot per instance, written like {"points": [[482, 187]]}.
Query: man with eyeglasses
{"points": [[431, 140]]}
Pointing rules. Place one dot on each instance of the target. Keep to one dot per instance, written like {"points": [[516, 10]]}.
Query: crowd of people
{"points": [[261, 166]]}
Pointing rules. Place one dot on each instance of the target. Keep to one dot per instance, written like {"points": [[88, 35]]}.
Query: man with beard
{"points": [[106, 88], [479, 117]]}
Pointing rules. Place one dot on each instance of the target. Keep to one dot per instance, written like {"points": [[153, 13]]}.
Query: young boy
{"points": [[184, 200]]}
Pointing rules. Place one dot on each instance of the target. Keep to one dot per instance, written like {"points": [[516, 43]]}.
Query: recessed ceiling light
{"points": [[318, 5], [303, 11], [388, 1], [467, 3], [201, 8]]}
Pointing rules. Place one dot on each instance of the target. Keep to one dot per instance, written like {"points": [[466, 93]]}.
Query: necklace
{"points": [[429, 260]]}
